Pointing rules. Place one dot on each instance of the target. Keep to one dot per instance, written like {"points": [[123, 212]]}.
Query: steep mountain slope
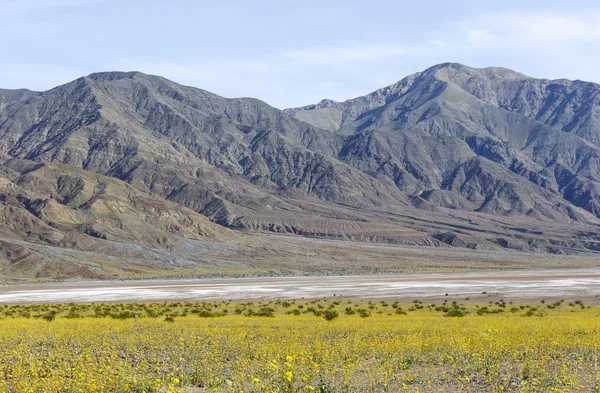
{"points": [[433, 126], [225, 158]]}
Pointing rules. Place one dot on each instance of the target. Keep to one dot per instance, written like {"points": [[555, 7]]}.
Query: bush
{"points": [[455, 313], [73, 315], [262, 312], [533, 312], [49, 316], [122, 315], [170, 318], [330, 315], [349, 311], [207, 314], [313, 310]]}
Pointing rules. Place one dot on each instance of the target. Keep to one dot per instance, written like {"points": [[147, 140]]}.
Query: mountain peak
{"points": [[114, 75], [448, 64], [446, 70]]}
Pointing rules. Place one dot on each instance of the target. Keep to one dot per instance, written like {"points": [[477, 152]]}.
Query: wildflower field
{"points": [[300, 346]]}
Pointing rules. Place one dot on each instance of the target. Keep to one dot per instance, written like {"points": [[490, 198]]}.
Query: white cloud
{"points": [[541, 29], [532, 31]]}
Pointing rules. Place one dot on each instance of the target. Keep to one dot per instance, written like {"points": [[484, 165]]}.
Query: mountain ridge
{"points": [[471, 92], [450, 156]]}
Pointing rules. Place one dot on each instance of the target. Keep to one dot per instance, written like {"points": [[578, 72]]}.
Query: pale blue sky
{"points": [[288, 52]]}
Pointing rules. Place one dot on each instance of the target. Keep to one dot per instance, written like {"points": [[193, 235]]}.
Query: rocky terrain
{"points": [[453, 156], [489, 140]]}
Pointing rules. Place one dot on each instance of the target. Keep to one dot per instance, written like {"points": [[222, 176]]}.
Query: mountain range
{"points": [[452, 156]]}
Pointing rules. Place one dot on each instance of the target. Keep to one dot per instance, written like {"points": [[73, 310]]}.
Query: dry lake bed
{"points": [[477, 286]]}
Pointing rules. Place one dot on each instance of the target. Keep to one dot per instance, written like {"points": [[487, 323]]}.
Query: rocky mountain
{"points": [[452, 156], [489, 140], [215, 155]]}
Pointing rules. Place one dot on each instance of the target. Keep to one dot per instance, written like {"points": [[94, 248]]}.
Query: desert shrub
{"points": [[455, 313], [330, 315], [170, 318], [49, 316]]}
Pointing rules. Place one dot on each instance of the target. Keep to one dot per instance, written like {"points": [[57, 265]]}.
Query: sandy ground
{"points": [[515, 286]]}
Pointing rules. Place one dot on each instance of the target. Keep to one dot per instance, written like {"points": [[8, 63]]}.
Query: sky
{"points": [[291, 53]]}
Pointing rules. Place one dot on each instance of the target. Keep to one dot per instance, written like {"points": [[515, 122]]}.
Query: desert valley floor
{"points": [[475, 286]]}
